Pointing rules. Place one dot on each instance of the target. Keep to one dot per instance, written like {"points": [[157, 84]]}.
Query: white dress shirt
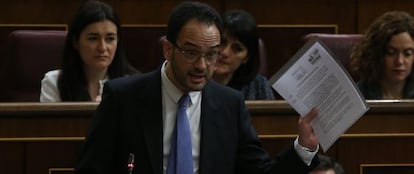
{"points": [[49, 91], [170, 97]]}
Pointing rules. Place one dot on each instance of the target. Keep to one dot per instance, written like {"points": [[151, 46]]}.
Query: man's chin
{"points": [[197, 87]]}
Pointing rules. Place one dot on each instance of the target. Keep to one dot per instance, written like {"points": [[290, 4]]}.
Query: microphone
{"points": [[130, 164]]}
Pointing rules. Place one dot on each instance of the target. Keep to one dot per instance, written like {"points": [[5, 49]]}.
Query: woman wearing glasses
{"points": [[238, 64]]}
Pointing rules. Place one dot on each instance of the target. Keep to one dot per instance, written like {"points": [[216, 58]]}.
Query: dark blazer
{"points": [[129, 120]]}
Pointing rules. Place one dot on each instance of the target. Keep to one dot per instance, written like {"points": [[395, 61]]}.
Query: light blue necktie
{"points": [[180, 160]]}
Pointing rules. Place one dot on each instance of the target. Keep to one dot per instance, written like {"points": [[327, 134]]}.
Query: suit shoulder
{"points": [[213, 88], [136, 81]]}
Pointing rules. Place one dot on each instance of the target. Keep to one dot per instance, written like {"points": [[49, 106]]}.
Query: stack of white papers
{"points": [[314, 78]]}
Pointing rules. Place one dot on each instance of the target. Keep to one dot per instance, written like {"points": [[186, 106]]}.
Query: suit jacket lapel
{"points": [[151, 120], [208, 117]]}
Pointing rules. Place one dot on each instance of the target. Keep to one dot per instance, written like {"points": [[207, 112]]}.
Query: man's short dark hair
{"points": [[187, 11]]}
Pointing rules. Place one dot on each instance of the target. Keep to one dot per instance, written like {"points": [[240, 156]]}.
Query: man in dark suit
{"points": [[137, 114]]}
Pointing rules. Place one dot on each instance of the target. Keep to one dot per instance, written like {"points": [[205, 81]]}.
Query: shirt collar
{"points": [[171, 90]]}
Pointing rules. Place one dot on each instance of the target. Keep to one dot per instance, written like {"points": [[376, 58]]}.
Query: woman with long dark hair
{"points": [[383, 60], [239, 63], [93, 53]]}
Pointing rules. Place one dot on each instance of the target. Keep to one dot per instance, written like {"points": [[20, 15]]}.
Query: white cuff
{"points": [[305, 153]]}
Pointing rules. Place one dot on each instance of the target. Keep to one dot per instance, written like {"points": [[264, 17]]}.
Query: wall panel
{"points": [[352, 16], [368, 10]]}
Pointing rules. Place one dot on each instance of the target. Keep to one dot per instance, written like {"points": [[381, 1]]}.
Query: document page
{"points": [[314, 78]]}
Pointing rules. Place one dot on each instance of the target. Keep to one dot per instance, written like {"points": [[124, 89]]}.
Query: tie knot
{"points": [[184, 100]]}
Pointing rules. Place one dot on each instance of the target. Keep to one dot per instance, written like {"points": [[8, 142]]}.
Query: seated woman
{"points": [[93, 53], [239, 63], [383, 60]]}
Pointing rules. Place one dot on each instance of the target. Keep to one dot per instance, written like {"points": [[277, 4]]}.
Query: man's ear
{"points": [[167, 48]]}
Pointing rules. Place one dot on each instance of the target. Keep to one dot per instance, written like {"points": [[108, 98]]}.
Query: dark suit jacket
{"points": [[129, 120]]}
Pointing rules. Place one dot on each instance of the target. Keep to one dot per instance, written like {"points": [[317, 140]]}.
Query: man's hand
{"points": [[307, 137]]}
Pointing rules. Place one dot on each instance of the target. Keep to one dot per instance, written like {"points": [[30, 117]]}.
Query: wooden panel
{"points": [[300, 12], [283, 41], [387, 168], [384, 116], [38, 11], [62, 11], [33, 135], [157, 11], [12, 158], [150, 11], [142, 46], [352, 16], [369, 10], [39, 156], [61, 171], [22, 120], [383, 135], [355, 151], [53, 154]]}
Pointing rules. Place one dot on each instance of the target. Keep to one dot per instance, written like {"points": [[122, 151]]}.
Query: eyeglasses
{"points": [[192, 56]]}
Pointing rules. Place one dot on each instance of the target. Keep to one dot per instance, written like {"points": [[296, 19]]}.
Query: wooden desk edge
{"points": [[256, 106]]}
